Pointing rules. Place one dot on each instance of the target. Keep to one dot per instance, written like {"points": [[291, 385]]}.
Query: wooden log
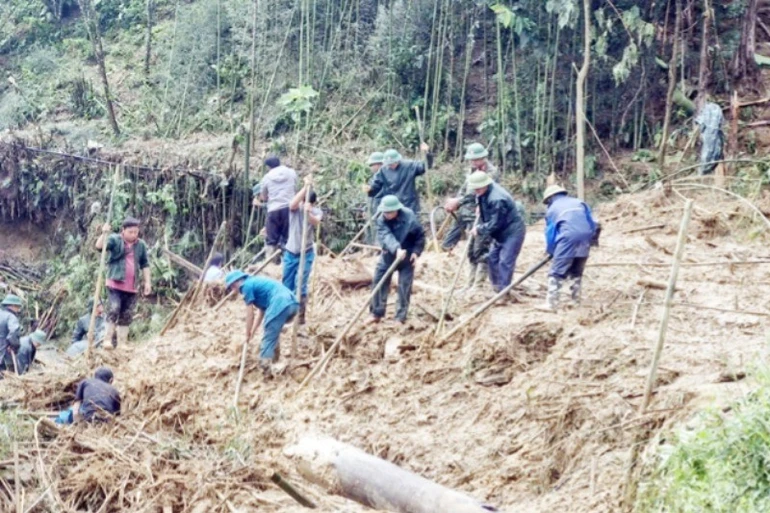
{"points": [[373, 482], [183, 263], [651, 284], [678, 253], [645, 228], [363, 279]]}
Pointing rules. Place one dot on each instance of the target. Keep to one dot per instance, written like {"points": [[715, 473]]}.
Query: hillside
{"points": [[528, 411]]}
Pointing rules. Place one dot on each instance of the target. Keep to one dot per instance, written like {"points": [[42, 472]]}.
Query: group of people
{"points": [[483, 209]]}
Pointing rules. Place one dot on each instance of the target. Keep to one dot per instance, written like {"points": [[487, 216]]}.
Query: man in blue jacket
{"points": [[500, 220], [277, 305], [569, 231]]}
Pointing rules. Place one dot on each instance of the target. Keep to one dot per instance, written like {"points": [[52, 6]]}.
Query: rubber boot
{"points": [[109, 331], [471, 278], [482, 274], [575, 289], [302, 308], [122, 336], [552, 296]]}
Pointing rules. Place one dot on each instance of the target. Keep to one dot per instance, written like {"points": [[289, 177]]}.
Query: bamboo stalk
{"points": [[100, 275], [199, 285], [358, 235], [483, 308], [291, 491], [385, 279], [680, 245], [302, 263], [448, 297]]}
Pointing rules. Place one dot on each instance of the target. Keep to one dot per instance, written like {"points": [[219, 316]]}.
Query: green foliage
{"points": [[720, 466], [298, 101]]}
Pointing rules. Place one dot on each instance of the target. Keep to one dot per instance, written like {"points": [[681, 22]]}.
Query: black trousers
{"points": [[277, 227], [120, 309]]}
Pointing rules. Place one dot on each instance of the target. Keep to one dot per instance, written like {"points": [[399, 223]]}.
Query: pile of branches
{"points": [[19, 277]]}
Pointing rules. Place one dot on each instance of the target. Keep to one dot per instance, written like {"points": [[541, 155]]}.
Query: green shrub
{"points": [[720, 466]]}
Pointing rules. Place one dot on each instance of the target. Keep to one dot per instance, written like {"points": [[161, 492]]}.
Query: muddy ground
{"points": [[529, 411]]}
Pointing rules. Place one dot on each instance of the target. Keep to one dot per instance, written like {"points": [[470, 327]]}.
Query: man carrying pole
{"points": [[465, 206], [298, 209], [127, 258], [570, 230], [402, 237], [500, 220]]}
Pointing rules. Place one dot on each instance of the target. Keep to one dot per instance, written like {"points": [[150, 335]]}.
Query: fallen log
{"points": [[183, 263], [356, 281], [373, 482], [651, 284]]}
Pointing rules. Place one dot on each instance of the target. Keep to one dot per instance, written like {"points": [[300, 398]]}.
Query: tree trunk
{"points": [[580, 114], [148, 41], [373, 482], [743, 64], [671, 87], [92, 26], [704, 74]]}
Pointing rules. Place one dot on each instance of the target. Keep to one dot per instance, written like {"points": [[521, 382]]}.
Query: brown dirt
{"points": [[551, 431]]}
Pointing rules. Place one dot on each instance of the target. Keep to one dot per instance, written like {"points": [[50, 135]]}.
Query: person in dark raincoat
{"points": [[569, 231], [401, 235], [398, 177], [500, 220], [9, 331]]}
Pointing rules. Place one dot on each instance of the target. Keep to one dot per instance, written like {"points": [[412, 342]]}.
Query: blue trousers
{"points": [[291, 268], [502, 260], [568, 267], [271, 331]]}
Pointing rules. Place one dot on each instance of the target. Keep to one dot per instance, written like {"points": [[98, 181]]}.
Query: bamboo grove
{"points": [[351, 75]]}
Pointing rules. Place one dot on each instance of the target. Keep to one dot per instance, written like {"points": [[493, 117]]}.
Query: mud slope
{"points": [[528, 411]]}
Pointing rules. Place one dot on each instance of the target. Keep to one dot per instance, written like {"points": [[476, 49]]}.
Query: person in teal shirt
{"points": [[277, 306]]}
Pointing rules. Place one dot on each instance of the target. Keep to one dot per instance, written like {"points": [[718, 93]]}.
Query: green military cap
{"points": [[390, 203], [12, 300], [479, 180], [391, 157], [476, 151], [376, 158], [39, 336]]}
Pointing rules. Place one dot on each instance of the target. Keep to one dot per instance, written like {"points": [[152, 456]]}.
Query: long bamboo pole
{"points": [[681, 242], [302, 263], [343, 334], [100, 275], [199, 285], [483, 308], [358, 235]]}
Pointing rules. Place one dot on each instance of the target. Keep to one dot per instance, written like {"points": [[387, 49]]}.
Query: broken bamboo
{"points": [[343, 334], [100, 275], [678, 253], [358, 235], [302, 263], [291, 491], [448, 297]]}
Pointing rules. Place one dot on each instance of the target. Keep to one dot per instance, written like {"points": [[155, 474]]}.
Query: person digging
{"points": [[500, 220], [464, 205], [9, 331], [28, 347], [298, 209], [127, 259], [401, 236], [80, 333], [570, 230], [277, 307]]}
